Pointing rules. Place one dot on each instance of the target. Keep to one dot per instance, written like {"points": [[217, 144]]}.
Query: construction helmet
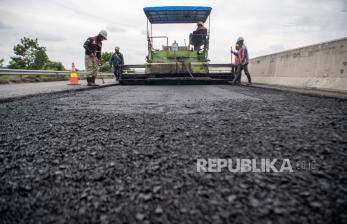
{"points": [[117, 48], [240, 39], [103, 33], [200, 23]]}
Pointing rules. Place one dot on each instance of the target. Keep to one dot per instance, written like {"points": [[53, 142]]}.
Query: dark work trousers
{"points": [[117, 71], [233, 72], [239, 71], [233, 69]]}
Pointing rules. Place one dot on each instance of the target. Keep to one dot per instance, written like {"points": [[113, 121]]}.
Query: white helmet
{"points": [[103, 33], [240, 39], [117, 48]]}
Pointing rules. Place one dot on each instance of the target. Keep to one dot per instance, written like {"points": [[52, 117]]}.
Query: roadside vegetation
{"points": [[1, 62], [105, 59], [30, 55]]}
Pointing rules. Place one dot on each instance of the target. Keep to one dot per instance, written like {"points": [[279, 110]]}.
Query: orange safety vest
{"points": [[237, 59]]}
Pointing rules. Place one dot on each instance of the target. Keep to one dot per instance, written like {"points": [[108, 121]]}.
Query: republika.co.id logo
{"points": [[263, 165]]}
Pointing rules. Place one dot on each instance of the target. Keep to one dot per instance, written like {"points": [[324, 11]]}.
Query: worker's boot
{"points": [[89, 81], [249, 80], [236, 80], [93, 81]]}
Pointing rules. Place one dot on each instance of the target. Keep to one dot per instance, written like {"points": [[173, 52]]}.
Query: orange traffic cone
{"points": [[73, 75]]}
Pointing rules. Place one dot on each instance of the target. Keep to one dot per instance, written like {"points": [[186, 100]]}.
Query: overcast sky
{"points": [[268, 26]]}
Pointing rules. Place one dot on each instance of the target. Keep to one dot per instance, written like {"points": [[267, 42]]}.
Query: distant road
{"points": [[26, 89]]}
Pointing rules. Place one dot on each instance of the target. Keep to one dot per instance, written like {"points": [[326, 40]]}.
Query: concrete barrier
{"points": [[321, 66]]}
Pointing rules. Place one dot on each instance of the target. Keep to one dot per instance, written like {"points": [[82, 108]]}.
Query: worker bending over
{"points": [[243, 57], [117, 61], [92, 57]]}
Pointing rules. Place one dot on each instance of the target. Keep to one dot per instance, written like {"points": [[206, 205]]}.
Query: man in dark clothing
{"points": [[117, 61], [92, 57], [199, 36], [243, 57]]}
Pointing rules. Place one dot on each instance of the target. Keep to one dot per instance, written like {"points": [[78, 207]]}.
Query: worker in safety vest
{"points": [[243, 57], [236, 60], [92, 57], [117, 61]]}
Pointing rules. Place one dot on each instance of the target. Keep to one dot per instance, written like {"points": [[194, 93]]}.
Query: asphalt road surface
{"points": [[128, 154], [18, 90]]}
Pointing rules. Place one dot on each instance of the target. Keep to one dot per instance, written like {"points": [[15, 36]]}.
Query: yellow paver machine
{"points": [[174, 63]]}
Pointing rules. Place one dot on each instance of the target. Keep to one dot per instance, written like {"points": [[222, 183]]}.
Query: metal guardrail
{"points": [[20, 72], [32, 72]]}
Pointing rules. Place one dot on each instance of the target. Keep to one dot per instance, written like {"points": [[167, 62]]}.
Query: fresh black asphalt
{"points": [[127, 154]]}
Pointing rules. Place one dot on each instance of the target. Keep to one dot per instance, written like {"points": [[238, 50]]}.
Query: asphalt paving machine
{"points": [[182, 64]]}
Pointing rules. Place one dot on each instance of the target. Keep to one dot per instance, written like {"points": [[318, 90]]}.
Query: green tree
{"points": [[28, 55], [2, 63], [53, 65], [105, 59]]}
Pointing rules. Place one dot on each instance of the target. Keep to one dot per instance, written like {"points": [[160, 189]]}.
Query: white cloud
{"points": [[115, 29], [268, 25]]}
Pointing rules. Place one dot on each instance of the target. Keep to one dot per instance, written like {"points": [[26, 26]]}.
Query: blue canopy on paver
{"points": [[177, 14]]}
